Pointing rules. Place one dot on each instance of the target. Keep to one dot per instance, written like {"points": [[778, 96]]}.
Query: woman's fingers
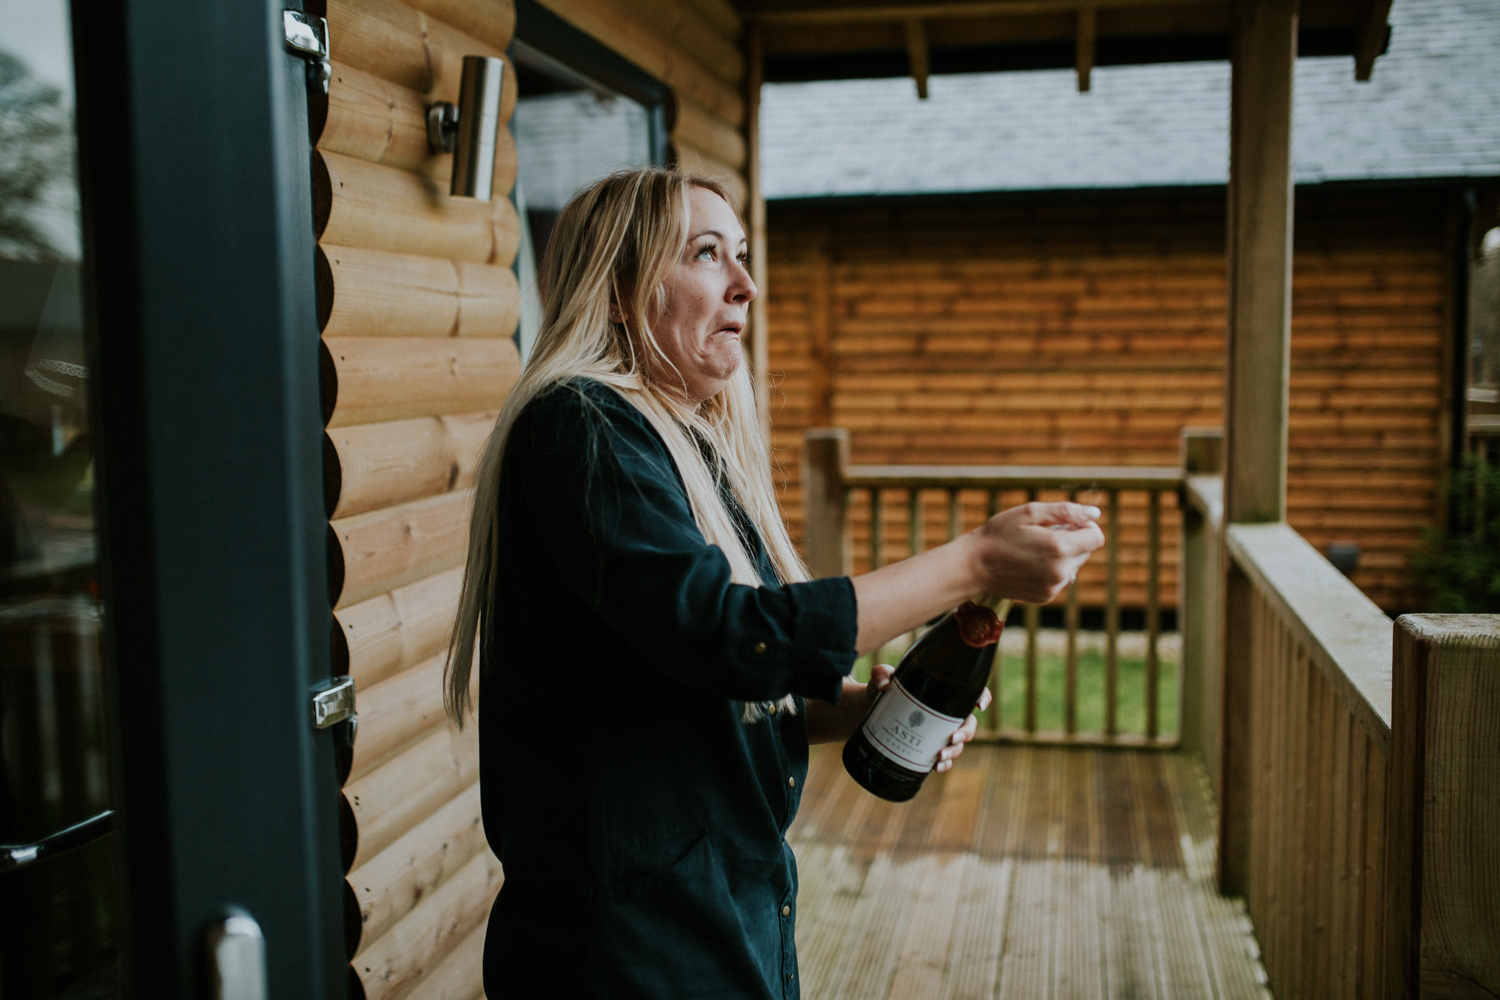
{"points": [[881, 674], [984, 700], [955, 746], [1033, 552], [1063, 514]]}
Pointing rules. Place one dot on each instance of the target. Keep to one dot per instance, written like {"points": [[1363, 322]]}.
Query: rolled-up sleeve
{"points": [[587, 473]]}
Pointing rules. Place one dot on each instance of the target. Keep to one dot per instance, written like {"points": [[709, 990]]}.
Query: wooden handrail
{"points": [[1341, 629], [1011, 477]]}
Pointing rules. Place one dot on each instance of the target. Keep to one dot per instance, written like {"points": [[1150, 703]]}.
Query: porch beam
{"points": [[1370, 38], [1083, 51], [900, 12], [1257, 362], [760, 343], [918, 54]]}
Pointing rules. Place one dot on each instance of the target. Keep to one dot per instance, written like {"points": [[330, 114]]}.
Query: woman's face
{"points": [[706, 299]]}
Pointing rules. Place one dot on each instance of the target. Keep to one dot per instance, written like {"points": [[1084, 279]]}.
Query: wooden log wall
{"points": [[1089, 329], [418, 304]]}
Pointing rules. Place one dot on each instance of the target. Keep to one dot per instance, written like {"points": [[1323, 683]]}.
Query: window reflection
{"points": [[1484, 347], [57, 907], [569, 131]]}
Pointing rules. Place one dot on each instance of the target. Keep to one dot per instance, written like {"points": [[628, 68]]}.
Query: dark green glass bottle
{"points": [[936, 686]]}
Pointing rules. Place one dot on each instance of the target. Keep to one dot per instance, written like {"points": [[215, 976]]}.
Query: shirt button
{"points": [[759, 647], [786, 911], [791, 782], [771, 708]]}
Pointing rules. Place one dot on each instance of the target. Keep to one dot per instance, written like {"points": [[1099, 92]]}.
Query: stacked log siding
{"points": [[418, 305], [1088, 330]]}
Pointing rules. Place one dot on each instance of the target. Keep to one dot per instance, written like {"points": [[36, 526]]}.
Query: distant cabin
{"points": [[1013, 272]]}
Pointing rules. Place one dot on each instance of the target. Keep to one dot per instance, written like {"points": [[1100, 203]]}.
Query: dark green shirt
{"points": [[641, 822]]}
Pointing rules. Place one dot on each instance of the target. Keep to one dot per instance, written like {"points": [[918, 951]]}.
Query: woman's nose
{"points": [[741, 285]]}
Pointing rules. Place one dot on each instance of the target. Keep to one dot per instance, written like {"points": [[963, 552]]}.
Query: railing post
{"points": [[1442, 917], [825, 453], [1257, 363], [1198, 604]]}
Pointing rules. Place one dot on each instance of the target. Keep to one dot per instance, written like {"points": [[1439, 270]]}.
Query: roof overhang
{"points": [[854, 39]]}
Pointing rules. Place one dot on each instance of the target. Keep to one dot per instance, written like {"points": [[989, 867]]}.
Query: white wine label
{"points": [[907, 731]]}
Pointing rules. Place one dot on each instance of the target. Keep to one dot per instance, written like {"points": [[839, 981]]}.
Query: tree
{"points": [[1460, 569], [35, 152]]}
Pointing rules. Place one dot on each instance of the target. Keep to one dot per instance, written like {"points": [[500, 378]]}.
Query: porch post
{"points": [[1264, 50], [760, 348], [825, 452]]}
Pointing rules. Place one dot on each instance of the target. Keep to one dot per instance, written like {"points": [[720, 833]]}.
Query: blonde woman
{"points": [[653, 658]]}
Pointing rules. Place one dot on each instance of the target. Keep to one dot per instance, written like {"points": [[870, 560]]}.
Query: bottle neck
{"points": [[999, 605]]}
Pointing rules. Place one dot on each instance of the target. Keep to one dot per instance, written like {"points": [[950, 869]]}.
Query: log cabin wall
{"points": [[418, 302], [1088, 329]]}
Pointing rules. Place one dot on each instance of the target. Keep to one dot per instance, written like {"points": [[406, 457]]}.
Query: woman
{"points": [[654, 660]]}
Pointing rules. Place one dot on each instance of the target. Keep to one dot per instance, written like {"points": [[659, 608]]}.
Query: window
{"points": [[1483, 416], [58, 910], [582, 112]]}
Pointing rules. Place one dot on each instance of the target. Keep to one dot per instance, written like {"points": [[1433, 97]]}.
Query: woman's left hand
{"points": [[880, 679]]}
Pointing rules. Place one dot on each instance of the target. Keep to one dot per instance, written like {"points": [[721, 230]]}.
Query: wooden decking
{"points": [[1025, 873]]}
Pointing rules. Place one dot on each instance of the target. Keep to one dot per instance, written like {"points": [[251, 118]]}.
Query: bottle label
{"points": [[907, 731]]}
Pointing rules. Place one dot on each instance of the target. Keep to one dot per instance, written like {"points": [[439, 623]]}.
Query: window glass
{"points": [[570, 131], [57, 898], [1484, 341]]}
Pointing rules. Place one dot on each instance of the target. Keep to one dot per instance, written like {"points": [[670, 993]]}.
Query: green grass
{"points": [[1130, 709]]}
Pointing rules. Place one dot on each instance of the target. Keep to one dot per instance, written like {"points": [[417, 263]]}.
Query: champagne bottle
{"points": [[936, 685]]}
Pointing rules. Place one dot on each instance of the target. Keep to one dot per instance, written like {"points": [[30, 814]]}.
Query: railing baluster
{"points": [[1033, 622], [1153, 609], [1112, 620], [1070, 697], [991, 508], [914, 513], [914, 540], [955, 516], [876, 532]]}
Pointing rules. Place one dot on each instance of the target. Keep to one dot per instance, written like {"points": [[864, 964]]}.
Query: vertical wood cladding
{"points": [[1088, 329], [418, 304]]}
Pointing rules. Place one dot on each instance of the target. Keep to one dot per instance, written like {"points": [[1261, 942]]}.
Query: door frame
{"points": [[201, 329]]}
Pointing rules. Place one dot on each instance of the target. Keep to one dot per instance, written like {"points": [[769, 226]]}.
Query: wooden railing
{"points": [[1355, 776], [849, 526]]}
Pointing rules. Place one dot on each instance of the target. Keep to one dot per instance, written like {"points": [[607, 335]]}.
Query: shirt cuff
{"points": [[825, 624]]}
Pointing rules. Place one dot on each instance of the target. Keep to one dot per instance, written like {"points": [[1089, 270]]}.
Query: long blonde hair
{"points": [[615, 242]]}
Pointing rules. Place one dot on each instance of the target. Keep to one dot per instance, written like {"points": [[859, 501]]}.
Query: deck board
{"points": [[1041, 873]]}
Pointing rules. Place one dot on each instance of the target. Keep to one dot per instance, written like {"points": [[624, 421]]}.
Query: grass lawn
{"points": [[1130, 711]]}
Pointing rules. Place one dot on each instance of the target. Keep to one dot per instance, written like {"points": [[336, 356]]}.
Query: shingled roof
{"points": [[1429, 112]]}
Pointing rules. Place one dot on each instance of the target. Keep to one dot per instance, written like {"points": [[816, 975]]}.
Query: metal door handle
{"points": [[90, 830], [236, 957]]}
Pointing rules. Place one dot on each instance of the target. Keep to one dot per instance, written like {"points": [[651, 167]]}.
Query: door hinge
{"points": [[333, 703], [307, 37]]}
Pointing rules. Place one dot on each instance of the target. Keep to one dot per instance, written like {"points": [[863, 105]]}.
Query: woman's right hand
{"points": [[1033, 552]]}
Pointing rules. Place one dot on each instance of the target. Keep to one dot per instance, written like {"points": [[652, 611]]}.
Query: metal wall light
{"points": [[469, 130]]}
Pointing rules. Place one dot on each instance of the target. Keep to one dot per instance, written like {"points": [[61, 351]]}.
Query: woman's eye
{"points": [[707, 253]]}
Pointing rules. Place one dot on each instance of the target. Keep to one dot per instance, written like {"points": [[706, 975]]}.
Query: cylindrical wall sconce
{"points": [[468, 131]]}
